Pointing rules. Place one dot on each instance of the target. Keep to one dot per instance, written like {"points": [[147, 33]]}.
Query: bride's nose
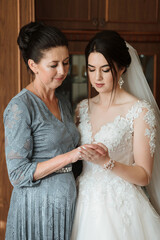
{"points": [[99, 75]]}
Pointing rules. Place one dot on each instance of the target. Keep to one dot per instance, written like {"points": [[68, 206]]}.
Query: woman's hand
{"points": [[96, 153], [86, 151]]}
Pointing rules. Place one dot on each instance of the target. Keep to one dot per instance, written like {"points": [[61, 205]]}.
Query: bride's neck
{"points": [[108, 99]]}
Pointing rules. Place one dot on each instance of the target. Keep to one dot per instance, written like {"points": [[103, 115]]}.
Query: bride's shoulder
{"points": [[83, 103], [82, 106], [136, 102]]}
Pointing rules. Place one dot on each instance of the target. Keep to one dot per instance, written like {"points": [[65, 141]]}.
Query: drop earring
{"points": [[120, 82]]}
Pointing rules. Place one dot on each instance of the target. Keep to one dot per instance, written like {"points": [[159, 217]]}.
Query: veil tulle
{"points": [[136, 83]]}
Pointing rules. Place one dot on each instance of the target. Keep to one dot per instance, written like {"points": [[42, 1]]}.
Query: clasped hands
{"points": [[96, 153]]}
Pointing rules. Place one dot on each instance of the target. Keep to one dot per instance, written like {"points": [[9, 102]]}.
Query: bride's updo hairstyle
{"points": [[113, 47], [35, 38]]}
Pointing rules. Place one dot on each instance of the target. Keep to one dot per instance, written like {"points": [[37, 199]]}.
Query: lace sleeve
{"points": [[19, 144], [76, 116], [80, 112], [146, 115]]}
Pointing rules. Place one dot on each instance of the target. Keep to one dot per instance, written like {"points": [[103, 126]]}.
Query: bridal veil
{"points": [[136, 83]]}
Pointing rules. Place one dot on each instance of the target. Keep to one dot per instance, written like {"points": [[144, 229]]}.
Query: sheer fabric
{"points": [[109, 207], [136, 83]]}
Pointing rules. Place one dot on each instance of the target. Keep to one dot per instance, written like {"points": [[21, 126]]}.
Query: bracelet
{"points": [[109, 165]]}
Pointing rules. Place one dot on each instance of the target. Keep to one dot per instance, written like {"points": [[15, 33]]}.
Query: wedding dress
{"points": [[108, 207]]}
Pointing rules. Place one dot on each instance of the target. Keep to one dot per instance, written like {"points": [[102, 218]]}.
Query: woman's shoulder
{"points": [[19, 103]]}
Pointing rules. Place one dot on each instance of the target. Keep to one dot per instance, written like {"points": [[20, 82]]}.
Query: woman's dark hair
{"points": [[36, 37], [113, 47]]}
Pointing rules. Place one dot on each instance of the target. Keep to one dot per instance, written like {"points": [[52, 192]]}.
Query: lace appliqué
{"points": [[16, 116], [84, 122], [103, 187], [151, 131], [149, 118]]}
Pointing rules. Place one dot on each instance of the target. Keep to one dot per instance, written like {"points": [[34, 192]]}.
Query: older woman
{"points": [[41, 141]]}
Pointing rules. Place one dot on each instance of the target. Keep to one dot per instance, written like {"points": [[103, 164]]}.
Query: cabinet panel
{"points": [[71, 14], [129, 15], [129, 11], [122, 15]]}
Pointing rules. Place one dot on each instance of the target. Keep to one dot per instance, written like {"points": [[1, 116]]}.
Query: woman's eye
{"points": [[106, 70], [66, 63], [54, 66], [91, 70]]}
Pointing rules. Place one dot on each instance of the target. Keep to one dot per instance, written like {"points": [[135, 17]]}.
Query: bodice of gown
{"points": [[117, 136]]}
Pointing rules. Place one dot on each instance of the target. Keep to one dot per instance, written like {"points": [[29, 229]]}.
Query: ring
{"points": [[79, 155]]}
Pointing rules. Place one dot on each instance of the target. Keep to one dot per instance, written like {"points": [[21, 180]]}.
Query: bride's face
{"points": [[99, 73]]}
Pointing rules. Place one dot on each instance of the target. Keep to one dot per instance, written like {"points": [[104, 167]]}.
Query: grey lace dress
{"points": [[43, 209]]}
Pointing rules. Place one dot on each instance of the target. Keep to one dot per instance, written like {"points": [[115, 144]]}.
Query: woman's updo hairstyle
{"points": [[113, 47], [36, 37]]}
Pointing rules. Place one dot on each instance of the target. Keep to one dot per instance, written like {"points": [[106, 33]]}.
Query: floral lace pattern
{"points": [[42, 209], [116, 192]]}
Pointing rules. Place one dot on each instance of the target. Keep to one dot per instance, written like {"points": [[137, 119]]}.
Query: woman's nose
{"points": [[61, 70], [98, 75]]}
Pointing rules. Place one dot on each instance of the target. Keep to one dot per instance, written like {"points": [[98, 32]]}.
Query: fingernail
{"points": [[83, 147]]}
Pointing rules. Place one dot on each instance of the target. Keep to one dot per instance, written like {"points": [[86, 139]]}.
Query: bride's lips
{"points": [[99, 85], [59, 79]]}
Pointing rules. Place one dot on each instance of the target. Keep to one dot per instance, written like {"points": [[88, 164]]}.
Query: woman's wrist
{"points": [[109, 165]]}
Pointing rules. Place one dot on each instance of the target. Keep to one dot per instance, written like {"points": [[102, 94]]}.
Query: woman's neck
{"points": [[42, 92]]}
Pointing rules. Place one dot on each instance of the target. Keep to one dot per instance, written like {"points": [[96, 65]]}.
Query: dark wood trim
{"points": [[78, 35]]}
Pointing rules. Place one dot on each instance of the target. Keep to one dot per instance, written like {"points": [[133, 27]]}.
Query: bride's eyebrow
{"points": [[89, 65], [106, 65]]}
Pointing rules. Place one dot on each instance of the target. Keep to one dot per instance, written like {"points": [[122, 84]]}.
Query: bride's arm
{"points": [[143, 149]]}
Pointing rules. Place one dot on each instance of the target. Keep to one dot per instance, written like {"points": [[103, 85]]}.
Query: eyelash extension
{"points": [[54, 66], [66, 63], [106, 70], [91, 70]]}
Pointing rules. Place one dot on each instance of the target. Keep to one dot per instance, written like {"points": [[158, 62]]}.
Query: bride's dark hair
{"points": [[113, 47]]}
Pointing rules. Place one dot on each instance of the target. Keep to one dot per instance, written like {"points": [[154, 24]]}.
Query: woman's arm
{"points": [[19, 147], [143, 149], [45, 168]]}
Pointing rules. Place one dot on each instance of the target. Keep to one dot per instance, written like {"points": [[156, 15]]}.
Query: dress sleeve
{"points": [[80, 111], [146, 123], [19, 144]]}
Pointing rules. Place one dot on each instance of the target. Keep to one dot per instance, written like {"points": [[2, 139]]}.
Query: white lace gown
{"points": [[108, 207]]}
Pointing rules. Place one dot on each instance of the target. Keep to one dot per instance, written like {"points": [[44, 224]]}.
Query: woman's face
{"points": [[53, 67], [99, 73]]}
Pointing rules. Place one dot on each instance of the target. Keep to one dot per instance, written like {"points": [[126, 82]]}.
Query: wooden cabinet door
{"points": [[68, 14], [13, 77], [129, 15]]}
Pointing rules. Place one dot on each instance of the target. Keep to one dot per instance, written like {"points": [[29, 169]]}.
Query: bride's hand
{"points": [[96, 153]]}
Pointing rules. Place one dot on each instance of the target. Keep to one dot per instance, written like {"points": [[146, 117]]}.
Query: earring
{"points": [[120, 82]]}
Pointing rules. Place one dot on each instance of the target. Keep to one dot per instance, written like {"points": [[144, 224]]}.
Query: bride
{"points": [[111, 204]]}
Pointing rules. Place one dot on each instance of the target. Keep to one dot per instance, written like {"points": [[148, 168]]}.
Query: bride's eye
{"points": [[106, 70], [91, 69]]}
